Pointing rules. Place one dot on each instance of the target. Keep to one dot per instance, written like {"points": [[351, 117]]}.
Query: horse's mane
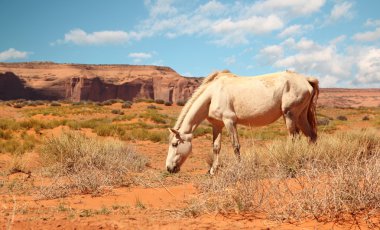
{"points": [[195, 95]]}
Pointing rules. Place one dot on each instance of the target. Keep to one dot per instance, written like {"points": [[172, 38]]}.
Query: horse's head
{"points": [[179, 150]]}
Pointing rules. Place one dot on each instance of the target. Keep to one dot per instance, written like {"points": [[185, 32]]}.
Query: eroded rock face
{"points": [[51, 81]]}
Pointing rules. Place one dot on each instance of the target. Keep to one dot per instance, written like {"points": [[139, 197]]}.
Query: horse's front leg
{"points": [[216, 145], [231, 128]]}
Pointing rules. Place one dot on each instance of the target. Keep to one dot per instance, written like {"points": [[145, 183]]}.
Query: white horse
{"points": [[225, 99]]}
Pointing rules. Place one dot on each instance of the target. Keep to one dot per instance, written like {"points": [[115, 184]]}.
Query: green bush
{"points": [[151, 107], [55, 103], [127, 105], [117, 111], [180, 102], [341, 118], [168, 103], [159, 101]]}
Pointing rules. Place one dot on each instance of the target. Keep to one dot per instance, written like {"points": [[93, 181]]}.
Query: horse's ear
{"points": [[176, 133]]}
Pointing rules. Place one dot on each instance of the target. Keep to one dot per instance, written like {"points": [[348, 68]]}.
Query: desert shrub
{"points": [[341, 118], [151, 107], [93, 123], [156, 117], [5, 134], [18, 105], [159, 101], [127, 105], [39, 102], [108, 102], [77, 103], [323, 121], [147, 100], [67, 102], [365, 118], [181, 102], [125, 117], [106, 130], [75, 125], [91, 163], [8, 124], [291, 180], [37, 125], [142, 134], [55, 103], [116, 100], [168, 103], [117, 111], [18, 145], [31, 103], [200, 131]]}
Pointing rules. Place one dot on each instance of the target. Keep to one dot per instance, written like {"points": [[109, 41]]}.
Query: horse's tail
{"points": [[312, 112]]}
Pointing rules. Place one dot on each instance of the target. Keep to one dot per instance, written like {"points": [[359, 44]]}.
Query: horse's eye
{"points": [[175, 144]]}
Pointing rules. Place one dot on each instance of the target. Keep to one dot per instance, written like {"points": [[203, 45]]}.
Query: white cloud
{"points": [[368, 36], [353, 66], [237, 32], [140, 56], [292, 8], [212, 8], [341, 10], [271, 53], [338, 40], [12, 54], [290, 31], [254, 25], [80, 37], [308, 57], [328, 81], [161, 7], [306, 44], [369, 67], [230, 60], [372, 22]]}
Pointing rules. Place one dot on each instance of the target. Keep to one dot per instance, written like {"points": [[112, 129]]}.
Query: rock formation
{"points": [[75, 82]]}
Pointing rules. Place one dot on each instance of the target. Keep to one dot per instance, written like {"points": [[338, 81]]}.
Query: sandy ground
{"points": [[145, 206]]}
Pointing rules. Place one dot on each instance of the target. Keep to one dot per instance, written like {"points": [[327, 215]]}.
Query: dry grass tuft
{"points": [[90, 164], [336, 178]]}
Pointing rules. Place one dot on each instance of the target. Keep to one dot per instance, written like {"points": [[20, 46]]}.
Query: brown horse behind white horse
{"points": [[226, 100]]}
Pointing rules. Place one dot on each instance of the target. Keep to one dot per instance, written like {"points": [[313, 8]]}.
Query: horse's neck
{"points": [[196, 114]]}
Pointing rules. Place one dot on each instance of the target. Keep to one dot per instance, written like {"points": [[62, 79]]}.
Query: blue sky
{"points": [[338, 41]]}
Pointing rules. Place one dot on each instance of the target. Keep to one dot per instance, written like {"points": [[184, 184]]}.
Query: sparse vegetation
{"points": [[335, 179], [127, 105], [180, 102], [341, 118], [151, 107], [117, 111], [55, 103], [168, 103], [323, 121], [159, 101], [91, 163], [292, 180]]}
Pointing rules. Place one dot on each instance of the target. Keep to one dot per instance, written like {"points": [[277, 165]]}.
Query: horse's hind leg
{"points": [[306, 128], [216, 145], [291, 123], [231, 128]]}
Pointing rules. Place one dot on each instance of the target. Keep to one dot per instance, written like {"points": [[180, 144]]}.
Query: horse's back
{"points": [[255, 100]]}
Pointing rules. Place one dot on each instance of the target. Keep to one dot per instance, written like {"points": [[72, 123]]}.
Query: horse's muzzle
{"points": [[174, 169]]}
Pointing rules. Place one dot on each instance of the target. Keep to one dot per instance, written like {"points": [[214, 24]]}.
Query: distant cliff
{"points": [[52, 81], [75, 82]]}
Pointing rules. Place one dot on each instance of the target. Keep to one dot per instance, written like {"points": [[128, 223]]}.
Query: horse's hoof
{"points": [[212, 171]]}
